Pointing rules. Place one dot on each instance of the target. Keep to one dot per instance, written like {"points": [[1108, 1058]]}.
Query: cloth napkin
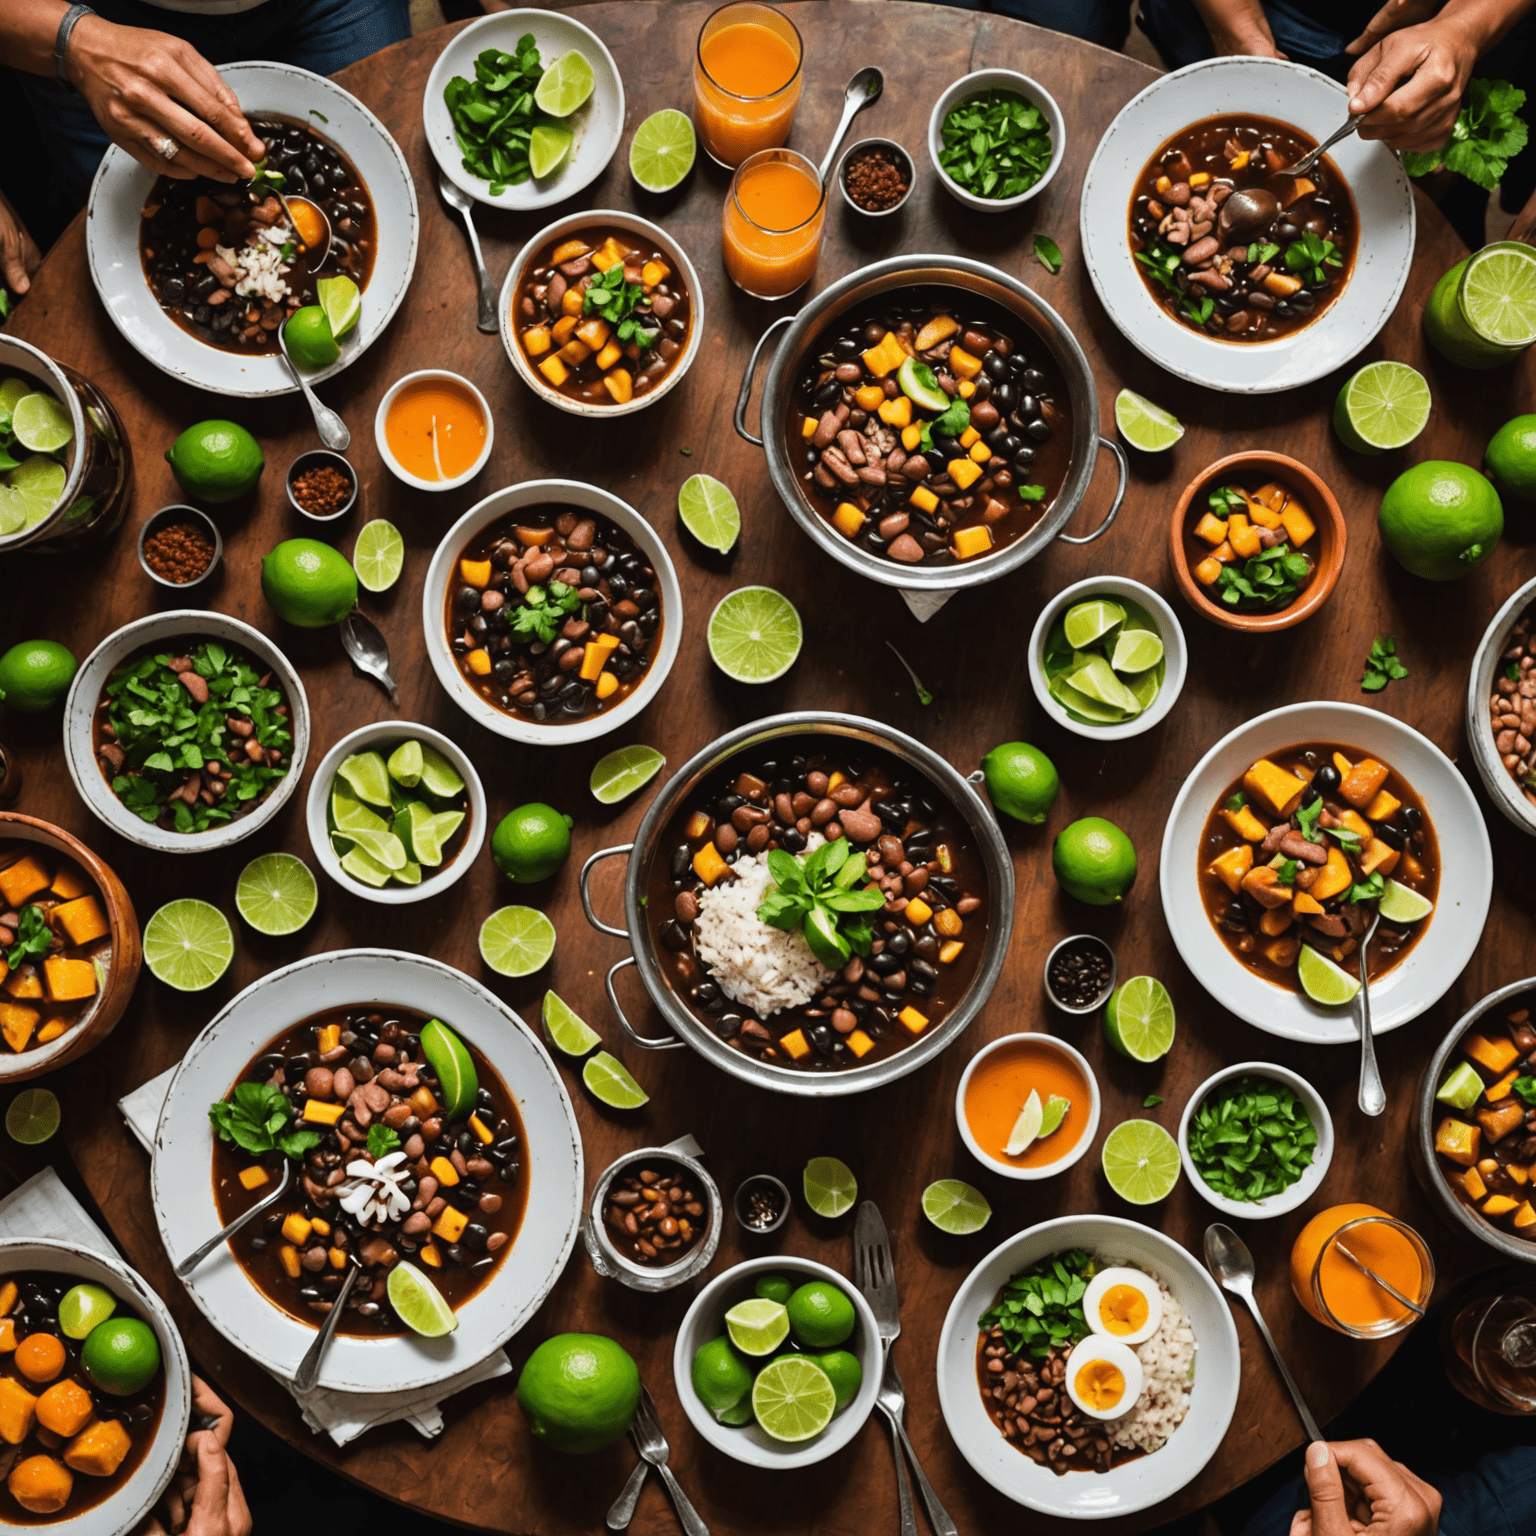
{"points": [[925, 604], [341, 1415]]}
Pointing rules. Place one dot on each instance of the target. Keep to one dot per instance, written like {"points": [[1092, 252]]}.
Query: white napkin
{"points": [[924, 604], [341, 1415]]}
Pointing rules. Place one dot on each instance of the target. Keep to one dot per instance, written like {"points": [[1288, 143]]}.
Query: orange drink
{"points": [[435, 428], [1328, 1271], [746, 81], [773, 223], [997, 1085]]}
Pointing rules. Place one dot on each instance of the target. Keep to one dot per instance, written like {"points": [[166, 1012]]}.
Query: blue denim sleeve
{"points": [[1496, 1498]]}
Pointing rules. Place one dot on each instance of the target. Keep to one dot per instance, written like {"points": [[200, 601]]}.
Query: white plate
{"points": [[1291, 93], [112, 237], [598, 124], [1140, 1483], [182, 1184], [1455, 926]]}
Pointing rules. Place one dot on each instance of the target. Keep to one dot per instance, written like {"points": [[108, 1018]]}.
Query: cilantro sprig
{"points": [[1310, 255], [1487, 135], [543, 610], [1267, 580], [382, 1140], [954, 419], [33, 936], [258, 1118], [1525, 1088], [494, 114], [267, 180], [1042, 1307], [1369, 889], [1250, 1138], [615, 299], [1382, 665], [816, 894], [995, 144]]}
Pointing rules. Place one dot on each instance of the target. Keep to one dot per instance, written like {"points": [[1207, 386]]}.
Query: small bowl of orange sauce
{"points": [[997, 1085], [434, 430]]}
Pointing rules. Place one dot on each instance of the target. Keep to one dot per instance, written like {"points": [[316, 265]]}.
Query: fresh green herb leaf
{"points": [[33, 936], [1307, 818], [1487, 135], [1251, 1138], [1525, 1087], [615, 300], [1048, 253], [1285, 874], [1346, 839], [321, 115], [1512, 672], [382, 1140], [1269, 580], [494, 115], [816, 894], [996, 144], [1308, 256], [543, 610], [1237, 800], [923, 696], [1225, 500], [265, 181], [1382, 665], [1042, 1306], [257, 1118], [1369, 889], [1151, 1100]]}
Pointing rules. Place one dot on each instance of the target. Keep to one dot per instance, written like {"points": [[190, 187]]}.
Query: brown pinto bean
{"points": [[686, 906], [861, 826], [1201, 250], [846, 795], [823, 812], [319, 1082], [816, 782], [726, 838]]}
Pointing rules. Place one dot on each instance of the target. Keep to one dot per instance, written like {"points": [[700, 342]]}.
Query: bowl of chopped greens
{"points": [[1256, 1140], [995, 138]]}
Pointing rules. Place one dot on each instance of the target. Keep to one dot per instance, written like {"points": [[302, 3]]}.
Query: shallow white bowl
{"points": [[1175, 654], [122, 1512], [393, 732], [575, 224], [80, 713], [182, 1186], [112, 237], [1291, 93], [598, 125], [435, 591], [1455, 926], [705, 1320], [1140, 1483], [1485, 665], [991, 80], [1066, 1160], [381, 437], [1322, 1154]]}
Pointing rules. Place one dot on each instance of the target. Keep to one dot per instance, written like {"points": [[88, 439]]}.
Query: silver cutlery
{"points": [[457, 197], [308, 1373], [1312, 156], [863, 90], [1386, 1285], [1230, 1261], [364, 642], [622, 1510], [197, 1255], [1373, 1096], [329, 427], [652, 1445], [1253, 208]]}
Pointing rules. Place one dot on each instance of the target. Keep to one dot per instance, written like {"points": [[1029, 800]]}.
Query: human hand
{"points": [[1407, 88], [1356, 1489], [205, 1497], [1524, 227], [1392, 17], [1238, 27], [19, 257]]}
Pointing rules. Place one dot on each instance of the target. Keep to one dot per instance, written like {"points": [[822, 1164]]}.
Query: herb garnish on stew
{"points": [[258, 1118], [1042, 1306], [816, 895]]}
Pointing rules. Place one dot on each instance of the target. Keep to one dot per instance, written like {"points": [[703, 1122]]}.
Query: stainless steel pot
{"points": [[686, 1029], [973, 277]]}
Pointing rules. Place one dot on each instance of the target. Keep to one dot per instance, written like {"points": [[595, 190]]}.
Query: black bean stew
{"points": [[1028, 1401], [655, 1213]]}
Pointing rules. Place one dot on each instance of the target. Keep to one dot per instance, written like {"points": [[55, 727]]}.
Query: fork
{"points": [[652, 1445]]}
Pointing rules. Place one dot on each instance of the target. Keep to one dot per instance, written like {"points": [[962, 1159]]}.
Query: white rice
{"points": [[1168, 1367]]}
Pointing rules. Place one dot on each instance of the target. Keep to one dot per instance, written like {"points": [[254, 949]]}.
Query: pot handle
{"points": [[746, 383], [645, 1042], [586, 893], [1116, 504]]}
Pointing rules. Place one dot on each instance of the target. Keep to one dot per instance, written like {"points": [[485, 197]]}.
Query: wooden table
{"points": [[484, 1471]]}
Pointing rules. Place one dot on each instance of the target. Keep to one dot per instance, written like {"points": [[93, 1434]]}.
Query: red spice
{"points": [[178, 552], [322, 491], [876, 179]]}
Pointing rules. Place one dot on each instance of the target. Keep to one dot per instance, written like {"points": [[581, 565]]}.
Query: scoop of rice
{"points": [[1168, 1364]]}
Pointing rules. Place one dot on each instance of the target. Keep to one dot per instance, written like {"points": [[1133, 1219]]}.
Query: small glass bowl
{"points": [[1093, 943], [898, 154], [769, 1185], [181, 514], [315, 458]]}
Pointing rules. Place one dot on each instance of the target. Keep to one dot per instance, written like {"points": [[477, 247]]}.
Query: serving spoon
{"points": [[1251, 209], [197, 1255], [364, 642], [308, 1373], [331, 429], [1373, 1096], [864, 90]]}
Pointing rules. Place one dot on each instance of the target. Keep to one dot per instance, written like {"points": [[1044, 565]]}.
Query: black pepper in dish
{"points": [[1080, 975]]}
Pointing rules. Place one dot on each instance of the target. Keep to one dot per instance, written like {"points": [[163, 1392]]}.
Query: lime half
{"points": [[36, 485], [793, 1399], [41, 423], [709, 512], [419, 1303], [342, 302], [1139, 1020], [448, 1056], [618, 775], [829, 1185], [1086, 622], [12, 390], [277, 894], [82, 1307], [378, 557], [1322, 980], [565, 1029], [1497, 296], [755, 634], [663, 150], [1141, 1162], [956, 1207], [1144, 425], [516, 941], [1402, 904], [188, 944], [758, 1325], [1381, 407], [548, 146], [565, 85], [610, 1082], [33, 1116]]}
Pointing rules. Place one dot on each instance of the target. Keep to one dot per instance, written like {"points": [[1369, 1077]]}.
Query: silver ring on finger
{"points": [[167, 147]]}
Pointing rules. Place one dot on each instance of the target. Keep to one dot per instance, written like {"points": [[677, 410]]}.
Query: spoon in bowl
{"points": [[1373, 1096], [863, 90], [308, 1373], [330, 428], [196, 1257], [1251, 209]]}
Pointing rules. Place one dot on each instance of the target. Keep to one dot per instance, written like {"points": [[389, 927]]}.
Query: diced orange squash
{"points": [[317, 1112], [328, 1036], [708, 865], [1525, 1215], [51, 1029], [620, 384], [554, 370], [1283, 951], [483, 1133], [1275, 921], [65, 1408], [1300, 187], [9, 1291], [479, 662], [964, 472], [562, 331], [594, 332], [1335, 878], [948, 922], [848, 520], [1211, 528], [1518, 1172], [99, 1450], [968, 542], [808, 425], [1360, 784], [69, 981], [978, 453], [1303, 904], [1472, 1183], [1487, 1166], [41, 1485], [1494, 1092], [1497, 1053], [444, 1171], [26, 877], [963, 364], [571, 305], [860, 1043], [430, 1256], [1499, 1205], [1246, 824], [595, 656], [320, 1227], [914, 1021], [609, 254], [1200, 178], [917, 912], [1458, 1141], [612, 352], [568, 250], [1242, 536], [17, 1021], [869, 397], [1499, 1120], [1282, 284], [1262, 515], [895, 413], [965, 388], [1377, 855], [607, 685], [940, 328], [336, 1257], [1382, 806], [69, 883], [575, 352], [910, 437], [7, 1335], [653, 273], [288, 1257], [923, 499], [476, 573], [1223, 554], [1232, 866], [1298, 526], [795, 1045], [949, 952], [18, 1410], [297, 1227], [1270, 784], [969, 436], [1208, 570], [536, 340], [450, 1224], [885, 357], [1353, 821], [24, 982], [254, 1177]]}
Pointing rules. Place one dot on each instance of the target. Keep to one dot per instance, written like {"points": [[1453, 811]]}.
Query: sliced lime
{"points": [[12, 390], [618, 775], [1027, 1127], [33, 1116], [367, 828], [755, 635], [1141, 1162], [565, 1029], [368, 778], [709, 512], [1383, 406], [342, 302], [438, 776], [610, 1082], [829, 1185], [516, 941], [1139, 1019], [41, 423], [1145, 687], [1463, 1088], [277, 894], [418, 1303], [1144, 425], [548, 146], [457, 1081], [1322, 980], [1401, 904], [757, 1326], [956, 1207], [405, 764], [919, 385], [565, 85], [1079, 703], [1136, 650], [14, 510], [793, 1399], [37, 483], [1097, 679], [378, 557], [1091, 620], [410, 875], [188, 944], [82, 1307], [361, 865], [425, 832], [663, 150], [1497, 296], [1056, 1108]]}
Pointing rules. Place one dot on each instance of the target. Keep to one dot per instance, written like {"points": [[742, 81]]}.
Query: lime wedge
{"points": [[919, 385], [358, 863], [516, 941], [1136, 650], [610, 1082], [1027, 1126], [1139, 1019], [410, 875], [1497, 297], [33, 1116], [41, 423], [1144, 425], [1382, 406], [368, 778], [37, 483], [276, 894], [1056, 1108], [755, 634], [829, 1185], [418, 1303], [757, 1326], [424, 832], [956, 1207], [1145, 687], [14, 510], [188, 944], [12, 390], [1079, 703], [663, 150], [566, 1030], [548, 145], [438, 776], [793, 1399], [621, 773], [82, 1307], [1463, 1088], [1097, 679], [378, 557], [1086, 622], [405, 764], [343, 303], [457, 1081], [709, 512], [1322, 980], [564, 86], [1141, 1162], [1401, 904], [367, 828]]}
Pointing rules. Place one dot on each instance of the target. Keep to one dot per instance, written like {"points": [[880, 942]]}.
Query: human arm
{"points": [[205, 1497], [1355, 1489], [1238, 27], [19, 256]]}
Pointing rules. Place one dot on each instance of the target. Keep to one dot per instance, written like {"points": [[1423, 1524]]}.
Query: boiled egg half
{"points": [[1123, 1303], [1103, 1377]]}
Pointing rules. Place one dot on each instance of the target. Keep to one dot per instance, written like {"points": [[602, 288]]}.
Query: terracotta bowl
{"points": [[98, 1021], [1329, 552]]}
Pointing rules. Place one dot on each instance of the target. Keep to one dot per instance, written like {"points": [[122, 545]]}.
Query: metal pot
{"points": [[974, 277], [687, 1030]]}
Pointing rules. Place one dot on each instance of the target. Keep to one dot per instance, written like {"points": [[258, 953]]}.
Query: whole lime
{"points": [[121, 1355], [1510, 459], [311, 342], [1094, 861], [820, 1315], [35, 675], [844, 1372], [720, 1376], [531, 843], [1021, 780], [777, 1288], [309, 583], [580, 1391], [1440, 519], [216, 461]]}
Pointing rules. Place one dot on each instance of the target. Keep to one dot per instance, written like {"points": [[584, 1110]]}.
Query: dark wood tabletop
{"points": [[485, 1470]]}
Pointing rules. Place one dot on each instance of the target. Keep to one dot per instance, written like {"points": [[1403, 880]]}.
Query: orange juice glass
{"points": [[1331, 1284], [746, 81], [773, 222]]}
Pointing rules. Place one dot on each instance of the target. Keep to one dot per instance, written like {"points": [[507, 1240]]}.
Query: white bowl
{"points": [[1001, 80], [123, 1510], [1291, 93], [112, 238], [1322, 1154], [598, 125], [575, 224], [182, 1188], [381, 440], [1175, 655], [590, 498], [1461, 908], [705, 1320], [1485, 664], [91, 679], [21, 357], [1079, 1147], [1140, 1483], [376, 735]]}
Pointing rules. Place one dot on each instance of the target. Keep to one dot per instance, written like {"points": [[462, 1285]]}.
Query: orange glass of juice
{"points": [[1329, 1271], [997, 1085], [773, 222], [434, 429], [746, 81]]}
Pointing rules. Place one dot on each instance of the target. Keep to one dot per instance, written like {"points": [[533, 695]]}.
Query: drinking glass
{"points": [[1372, 1240], [746, 81], [772, 227]]}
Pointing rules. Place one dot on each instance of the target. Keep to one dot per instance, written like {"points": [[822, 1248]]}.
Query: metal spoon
{"points": [[457, 197], [1229, 1260], [1254, 208], [363, 641], [863, 91], [1386, 1285], [622, 1511], [308, 1373], [1372, 1097], [1312, 156], [331, 428], [197, 1256]]}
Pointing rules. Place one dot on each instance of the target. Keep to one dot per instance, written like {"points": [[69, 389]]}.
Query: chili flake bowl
{"points": [[181, 514], [1502, 789], [996, 80], [323, 458], [897, 154]]}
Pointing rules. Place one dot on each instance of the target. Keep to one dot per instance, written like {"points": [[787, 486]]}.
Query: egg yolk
{"points": [[1123, 1309], [1100, 1385]]}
